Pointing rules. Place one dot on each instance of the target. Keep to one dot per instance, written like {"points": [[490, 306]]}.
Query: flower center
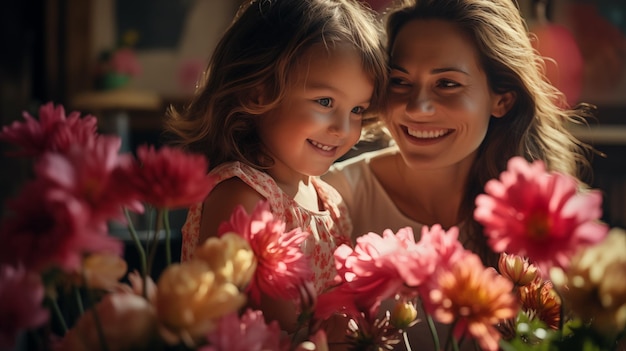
{"points": [[538, 226]]}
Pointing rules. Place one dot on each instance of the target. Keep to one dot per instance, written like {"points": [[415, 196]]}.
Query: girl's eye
{"points": [[358, 110], [326, 102]]}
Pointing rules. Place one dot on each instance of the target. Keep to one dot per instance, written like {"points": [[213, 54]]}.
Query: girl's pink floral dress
{"points": [[329, 228]]}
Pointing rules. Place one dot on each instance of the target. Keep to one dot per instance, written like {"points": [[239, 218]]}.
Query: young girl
{"points": [[286, 93]]}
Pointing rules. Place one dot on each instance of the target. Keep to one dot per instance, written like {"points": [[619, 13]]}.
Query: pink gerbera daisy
{"points": [[88, 172], [281, 265], [54, 131], [378, 268], [168, 178], [21, 298], [49, 227], [531, 212], [248, 333]]}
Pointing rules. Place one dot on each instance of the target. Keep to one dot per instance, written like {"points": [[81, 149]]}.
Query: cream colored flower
{"points": [[190, 299], [136, 286], [517, 268], [128, 322], [594, 286], [230, 257]]}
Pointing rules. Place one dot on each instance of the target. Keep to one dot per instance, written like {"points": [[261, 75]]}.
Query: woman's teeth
{"points": [[427, 134]]}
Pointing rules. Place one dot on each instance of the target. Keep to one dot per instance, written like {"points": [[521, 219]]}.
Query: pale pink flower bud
{"points": [[128, 322], [403, 314]]}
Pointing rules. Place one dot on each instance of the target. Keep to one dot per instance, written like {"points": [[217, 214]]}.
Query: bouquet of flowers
{"points": [[559, 284], [56, 248]]}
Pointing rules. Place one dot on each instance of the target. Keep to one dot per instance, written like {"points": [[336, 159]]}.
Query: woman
{"points": [[467, 93]]}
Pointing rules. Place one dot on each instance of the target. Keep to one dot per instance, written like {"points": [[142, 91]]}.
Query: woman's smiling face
{"points": [[439, 99]]}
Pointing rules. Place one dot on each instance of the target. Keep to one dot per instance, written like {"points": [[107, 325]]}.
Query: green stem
{"points": [[155, 240], [58, 313], [140, 251], [79, 300], [431, 326], [96, 318], [405, 335], [451, 339], [168, 245]]}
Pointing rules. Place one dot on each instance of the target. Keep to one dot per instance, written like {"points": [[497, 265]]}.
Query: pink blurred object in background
{"points": [[378, 5], [566, 71], [189, 73]]}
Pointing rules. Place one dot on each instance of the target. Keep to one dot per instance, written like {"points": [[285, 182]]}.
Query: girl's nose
{"points": [[341, 123]]}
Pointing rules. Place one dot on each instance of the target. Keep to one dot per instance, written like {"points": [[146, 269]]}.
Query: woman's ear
{"points": [[502, 103]]}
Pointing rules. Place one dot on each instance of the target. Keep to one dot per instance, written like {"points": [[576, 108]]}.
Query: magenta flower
{"points": [[88, 172], [281, 265], [168, 178], [530, 212], [248, 333], [21, 298], [49, 227], [445, 243], [54, 131]]}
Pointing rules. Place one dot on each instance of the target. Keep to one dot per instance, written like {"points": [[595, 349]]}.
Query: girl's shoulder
{"points": [[238, 169], [256, 179]]}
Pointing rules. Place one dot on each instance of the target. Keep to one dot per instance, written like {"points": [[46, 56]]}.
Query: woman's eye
{"points": [[326, 102], [397, 82], [444, 83]]}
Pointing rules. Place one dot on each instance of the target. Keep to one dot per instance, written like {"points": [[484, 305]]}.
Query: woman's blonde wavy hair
{"points": [[536, 125], [250, 68]]}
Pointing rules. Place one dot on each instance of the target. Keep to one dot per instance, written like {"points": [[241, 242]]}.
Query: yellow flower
{"points": [[190, 299], [100, 271], [474, 296], [230, 257], [594, 285]]}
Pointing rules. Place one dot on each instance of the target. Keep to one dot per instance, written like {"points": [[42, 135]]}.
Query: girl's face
{"points": [[319, 118], [439, 99]]}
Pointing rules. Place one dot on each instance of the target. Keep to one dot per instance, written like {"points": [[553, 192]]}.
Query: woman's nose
{"points": [[420, 103]]}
